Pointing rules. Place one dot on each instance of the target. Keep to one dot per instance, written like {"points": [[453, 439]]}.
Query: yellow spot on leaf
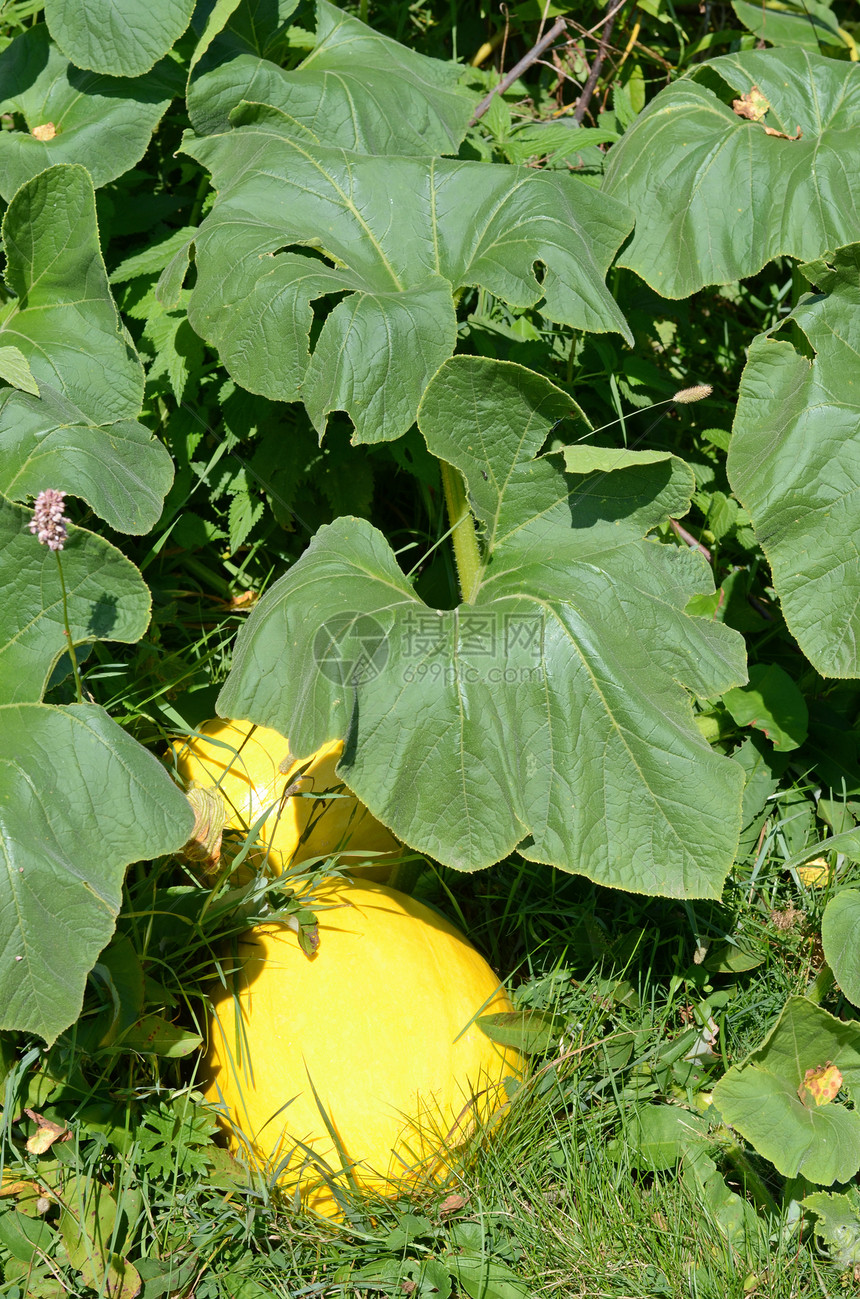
{"points": [[821, 1085]]}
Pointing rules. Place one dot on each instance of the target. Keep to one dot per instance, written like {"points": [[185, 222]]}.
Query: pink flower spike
{"points": [[49, 521]]}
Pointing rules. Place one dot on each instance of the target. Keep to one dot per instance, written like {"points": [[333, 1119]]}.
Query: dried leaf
{"points": [[45, 132], [210, 816], [46, 1135], [452, 1204], [703, 1050], [781, 135], [820, 1085], [14, 1186], [752, 105]]}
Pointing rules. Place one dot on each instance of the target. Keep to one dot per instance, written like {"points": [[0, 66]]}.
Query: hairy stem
{"points": [[466, 552], [71, 643], [820, 985], [752, 1181]]}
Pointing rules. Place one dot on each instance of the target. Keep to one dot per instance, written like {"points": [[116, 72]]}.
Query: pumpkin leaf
{"points": [[794, 462], [121, 38], [401, 236], [63, 318], [66, 850], [106, 599], [715, 195], [548, 715], [840, 937], [838, 1224], [81, 434], [356, 90], [120, 470], [761, 1096], [74, 116], [809, 23]]}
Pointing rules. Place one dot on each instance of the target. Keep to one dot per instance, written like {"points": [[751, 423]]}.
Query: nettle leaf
{"points": [[79, 800], [81, 434], [107, 599], [178, 351], [718, 195], [794, 462], [122, 38], [74, 116], [547, 716], [398, 236], [357, 90], [762, 1096]]}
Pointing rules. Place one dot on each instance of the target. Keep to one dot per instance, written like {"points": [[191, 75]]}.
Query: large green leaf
{"points": [[81, 433], [107, 599], [794, 462], [122, 38], [840, 937], [79, 800], [549, 715], [807, 23], [63, 317], [398, 236], [761, 1098], [259, 27], [357, 90], [120, 470], [81, 117], [715, 195]]}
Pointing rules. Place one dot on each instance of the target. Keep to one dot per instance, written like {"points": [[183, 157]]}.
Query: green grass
{"points": [[554, 1199]]}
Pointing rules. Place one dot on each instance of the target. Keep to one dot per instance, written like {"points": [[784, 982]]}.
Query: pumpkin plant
{"points": [[558, 706]]}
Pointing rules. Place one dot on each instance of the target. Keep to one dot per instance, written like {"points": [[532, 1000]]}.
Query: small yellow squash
{"points": [[254, 770], [815, 874], [376, 1029]]}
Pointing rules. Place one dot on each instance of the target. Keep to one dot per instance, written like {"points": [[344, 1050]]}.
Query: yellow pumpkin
{"points": [[253, 769], [376, 1030], [815, 874]]}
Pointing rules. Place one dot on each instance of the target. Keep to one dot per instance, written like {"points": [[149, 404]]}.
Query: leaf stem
{"points": [[466, 552], [72, 655], [820, 985], [753, 1183]]}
